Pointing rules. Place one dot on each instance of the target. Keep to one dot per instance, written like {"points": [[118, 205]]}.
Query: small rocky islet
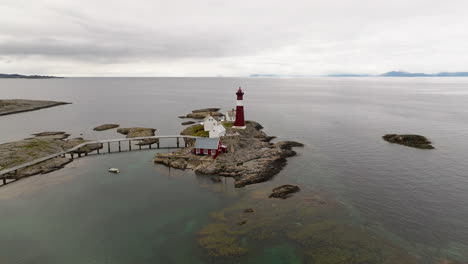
{"points": [[106, 127], [410, 140], [134, 132], [202, 113]]}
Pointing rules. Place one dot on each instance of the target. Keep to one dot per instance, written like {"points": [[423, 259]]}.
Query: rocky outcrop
{"points": [[188, 123], [134, 132], [42, 145], [13, 106], [251, 158], [284, 191], [105, 127], [202, 113], [415, 141]]}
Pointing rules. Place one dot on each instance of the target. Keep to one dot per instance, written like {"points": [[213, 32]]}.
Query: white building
{"points": [[217, 131], [230, 116], [209, 123]]}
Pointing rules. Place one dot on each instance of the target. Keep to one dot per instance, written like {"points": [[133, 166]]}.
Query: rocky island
{"points": [[105, 127], [251, 157], [202, 113], [415, 141], [134, 132], [41, 145], [13, 106]]}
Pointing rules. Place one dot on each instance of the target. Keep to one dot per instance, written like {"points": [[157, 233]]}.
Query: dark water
{"points": [[416, 199]]}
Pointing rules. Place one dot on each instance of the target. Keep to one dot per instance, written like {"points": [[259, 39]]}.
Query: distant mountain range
{"points": [[387, 74], [405, 74], [409, 74], [19, 76]]}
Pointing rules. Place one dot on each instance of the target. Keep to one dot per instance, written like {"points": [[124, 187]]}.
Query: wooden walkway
{"points": [[4, 174]]}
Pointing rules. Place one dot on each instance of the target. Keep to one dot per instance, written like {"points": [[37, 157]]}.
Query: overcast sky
{"points": [[231, 38]]}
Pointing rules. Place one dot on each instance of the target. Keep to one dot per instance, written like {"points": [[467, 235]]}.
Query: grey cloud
{"points": [[238, 37]]}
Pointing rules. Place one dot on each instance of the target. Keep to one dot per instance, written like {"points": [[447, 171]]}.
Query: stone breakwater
{"points": [[14, 106], [251, 157]]}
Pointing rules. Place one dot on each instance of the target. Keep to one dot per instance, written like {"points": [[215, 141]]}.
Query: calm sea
{"points": [[416, 199]]}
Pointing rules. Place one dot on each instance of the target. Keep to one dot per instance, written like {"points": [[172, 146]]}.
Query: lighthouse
{"points": [[239, 122]]}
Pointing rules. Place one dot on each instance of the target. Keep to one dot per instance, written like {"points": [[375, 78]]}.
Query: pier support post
{"points": [[86, 154], [157, 145], [108, 147], [4, 180], [98, 151], [71, 155], [139, 145], [177, 142], [79, 154], [129, 145], [150, 146], [119, 147]]}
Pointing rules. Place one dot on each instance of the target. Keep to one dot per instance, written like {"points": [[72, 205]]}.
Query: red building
{"points": [[239, 122], [209, 146]]}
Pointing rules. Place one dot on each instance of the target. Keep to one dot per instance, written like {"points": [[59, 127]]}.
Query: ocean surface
{"points": [[415, 200]]}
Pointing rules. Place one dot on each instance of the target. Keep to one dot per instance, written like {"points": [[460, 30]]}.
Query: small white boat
{"points": [[114, 170]]}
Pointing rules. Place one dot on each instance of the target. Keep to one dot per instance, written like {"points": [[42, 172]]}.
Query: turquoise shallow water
{"points": [[148, 214], [91, 216]]}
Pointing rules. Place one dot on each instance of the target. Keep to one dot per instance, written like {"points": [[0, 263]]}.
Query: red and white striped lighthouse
{"points": [[239, 122]]}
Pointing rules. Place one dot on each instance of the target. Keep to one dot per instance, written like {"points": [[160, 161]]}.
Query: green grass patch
{"points": [[195, 130], [228, 125]]}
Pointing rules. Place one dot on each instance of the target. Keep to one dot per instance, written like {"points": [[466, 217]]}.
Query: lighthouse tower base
{"points": [[239, 127]]}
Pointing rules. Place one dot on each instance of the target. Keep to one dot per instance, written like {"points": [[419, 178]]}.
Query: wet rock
{"points": [[249, 210], [284, 191], [105, 127], [415, 141], [243, 222]]}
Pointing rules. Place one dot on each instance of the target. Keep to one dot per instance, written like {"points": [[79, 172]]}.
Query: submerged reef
{"points": [[317, 226]]}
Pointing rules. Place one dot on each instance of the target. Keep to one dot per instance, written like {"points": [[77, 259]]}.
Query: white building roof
{"points": [[207, 143]]}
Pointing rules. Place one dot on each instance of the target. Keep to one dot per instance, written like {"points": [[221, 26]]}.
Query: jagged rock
{"points": [[415, 141], [105, 127], [284, 191]]}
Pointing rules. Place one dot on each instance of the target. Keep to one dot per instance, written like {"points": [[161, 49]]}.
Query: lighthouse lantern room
{"points": [[239, 122]]}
